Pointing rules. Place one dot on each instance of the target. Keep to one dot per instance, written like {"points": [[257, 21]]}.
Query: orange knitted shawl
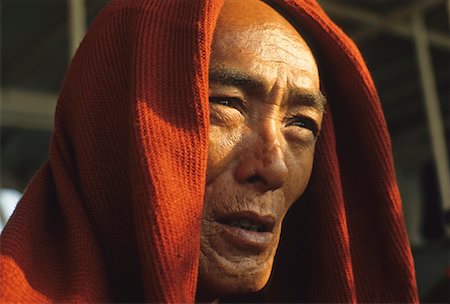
{"points": [[114, 214]]}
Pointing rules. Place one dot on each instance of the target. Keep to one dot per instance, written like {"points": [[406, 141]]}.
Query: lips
{"points": [[246, 224], [248, 220], [247, 231]]}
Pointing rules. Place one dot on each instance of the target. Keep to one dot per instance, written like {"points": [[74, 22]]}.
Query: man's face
{"points": [[265, 113]]}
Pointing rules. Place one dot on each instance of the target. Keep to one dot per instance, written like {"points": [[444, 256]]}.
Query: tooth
{"points": [[245, 222]]}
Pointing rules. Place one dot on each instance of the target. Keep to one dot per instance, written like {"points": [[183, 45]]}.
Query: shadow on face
{"points": [[265, 114]]}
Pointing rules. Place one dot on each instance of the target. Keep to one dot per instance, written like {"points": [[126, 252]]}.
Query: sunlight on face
{"points": [[265, 112]]}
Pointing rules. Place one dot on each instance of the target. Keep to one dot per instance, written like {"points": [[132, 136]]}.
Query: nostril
{"points": [[253, 179]]}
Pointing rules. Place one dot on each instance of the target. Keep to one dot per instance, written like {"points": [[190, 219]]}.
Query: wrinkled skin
{"points": [[266, 110]]}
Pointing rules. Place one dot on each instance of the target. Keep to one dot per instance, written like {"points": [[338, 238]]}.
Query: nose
{"points": [[262, 163]]}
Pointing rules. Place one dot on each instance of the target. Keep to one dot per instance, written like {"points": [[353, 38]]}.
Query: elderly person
{"points": [[185, 132]]}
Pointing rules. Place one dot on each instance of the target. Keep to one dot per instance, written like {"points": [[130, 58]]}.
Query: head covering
{"points": [[114, 214]]}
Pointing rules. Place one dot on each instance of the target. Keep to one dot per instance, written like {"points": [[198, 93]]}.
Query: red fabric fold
{"points": [[114, 215]]}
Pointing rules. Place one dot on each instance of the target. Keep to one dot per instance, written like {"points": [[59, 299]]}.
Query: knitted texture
{"points": [[114, 214]]}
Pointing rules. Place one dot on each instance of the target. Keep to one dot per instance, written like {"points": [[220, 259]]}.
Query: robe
{"points": [[114, 213]]}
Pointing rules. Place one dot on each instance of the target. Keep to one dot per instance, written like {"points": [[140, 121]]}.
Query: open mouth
{"points": [[246, 225], [248, 231], [249, 221]]}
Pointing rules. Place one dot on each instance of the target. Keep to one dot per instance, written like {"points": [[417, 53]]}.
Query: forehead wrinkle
{"points": [[275, 40], [233, 77]]}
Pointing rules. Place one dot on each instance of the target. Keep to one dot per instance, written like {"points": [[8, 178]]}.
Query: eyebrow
{"points": [[231, 77], [313, 99]]}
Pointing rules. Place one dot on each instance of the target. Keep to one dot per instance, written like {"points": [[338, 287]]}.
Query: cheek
{"points": [[301, 167], [222, 142]]}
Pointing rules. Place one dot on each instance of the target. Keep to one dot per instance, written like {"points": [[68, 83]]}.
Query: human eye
{"points": [[225, 110], [226, 101], [305, 123]]}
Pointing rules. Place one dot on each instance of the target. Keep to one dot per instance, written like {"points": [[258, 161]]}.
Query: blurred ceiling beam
{"points": [[396, 15], [77, 24], [434, 116], [448, 11], [27, 109], [436, 39]]}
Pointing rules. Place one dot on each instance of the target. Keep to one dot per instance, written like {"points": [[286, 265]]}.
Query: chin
{"points": [[232, 272], [216, 283]]}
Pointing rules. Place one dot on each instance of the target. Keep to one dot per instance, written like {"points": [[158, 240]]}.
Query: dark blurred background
{"points": [[406, 44]]}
